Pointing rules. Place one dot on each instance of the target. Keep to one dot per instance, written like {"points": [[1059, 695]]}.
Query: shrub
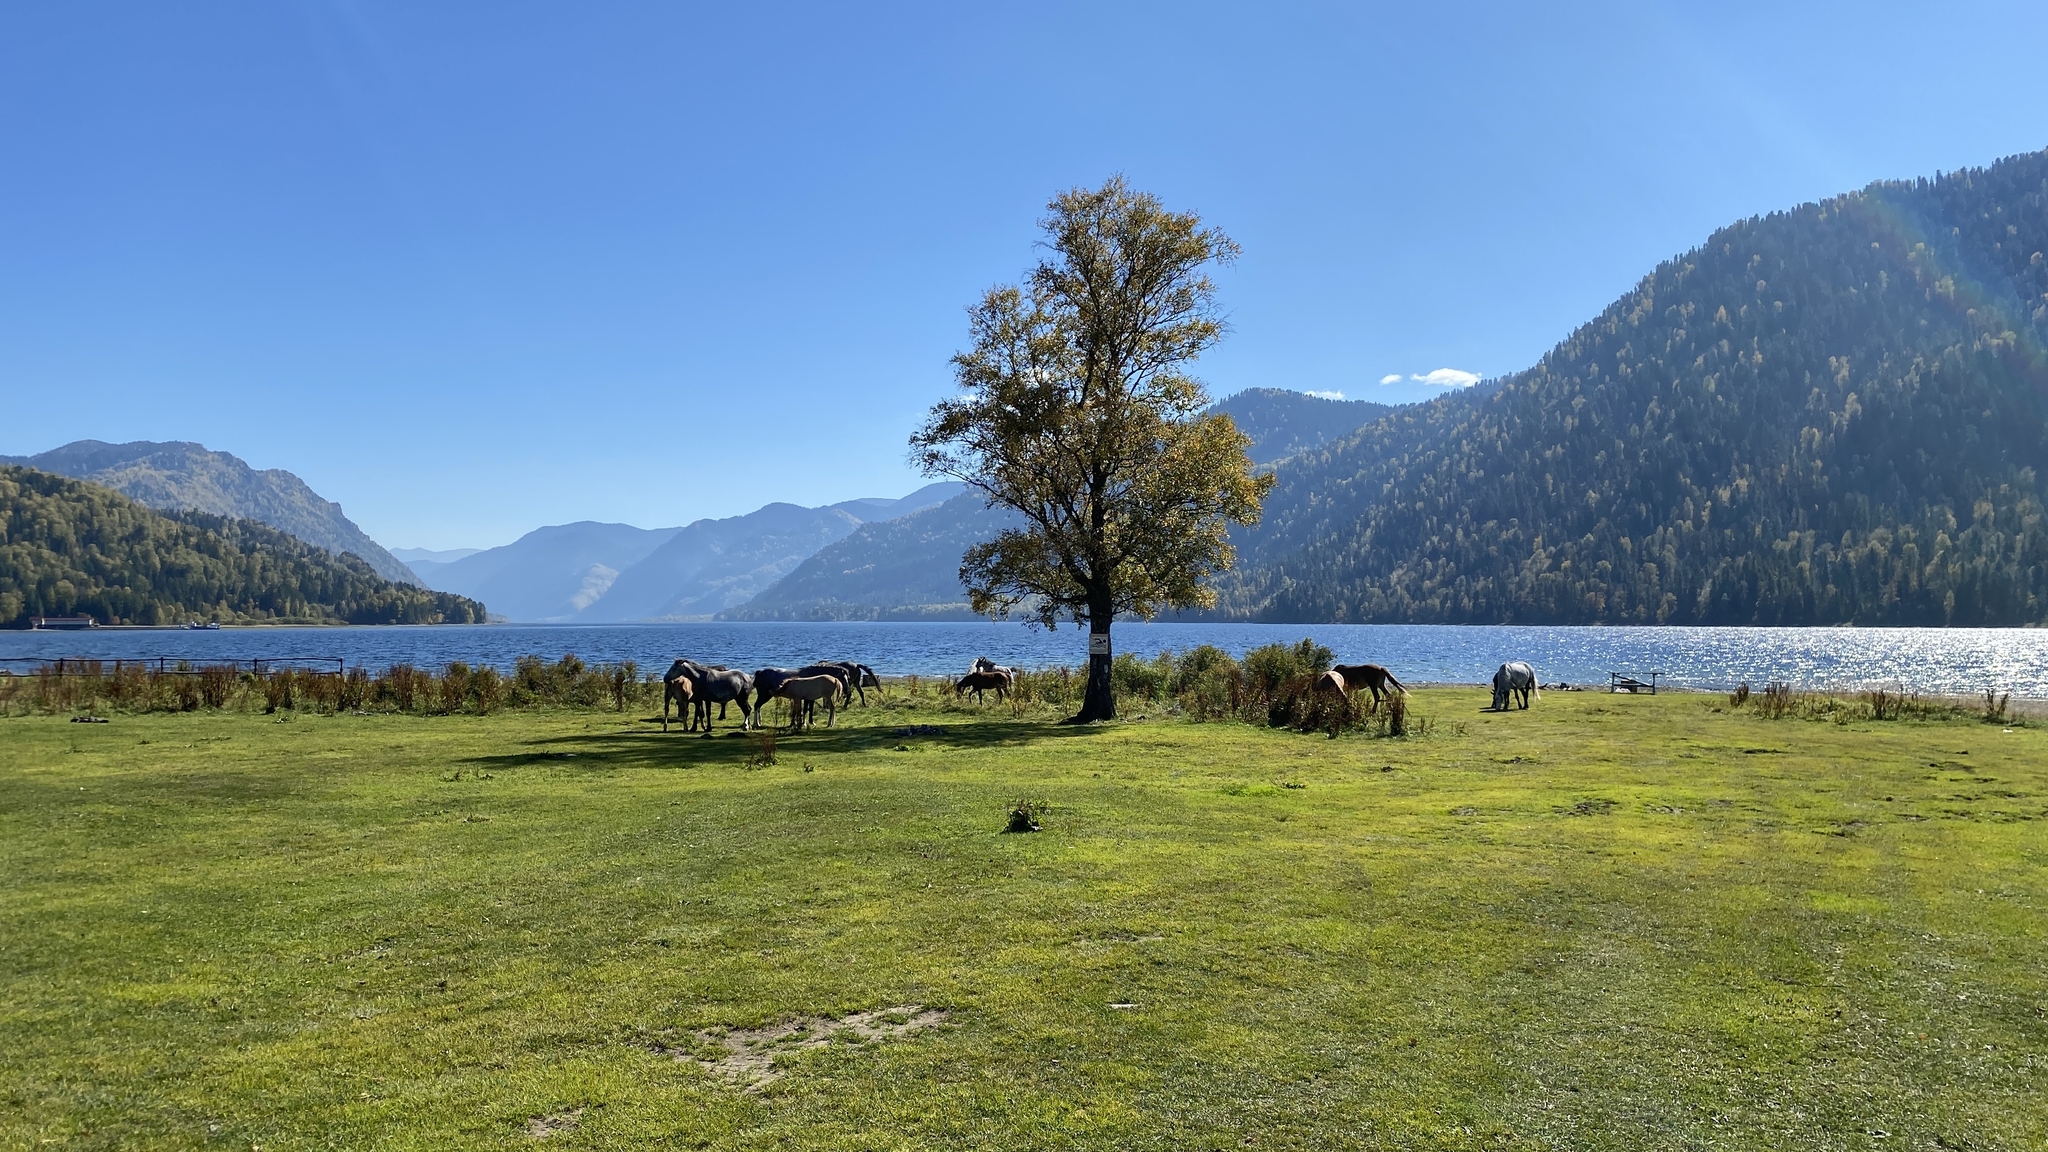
{"points": [[1025, 816], [1207, 683], [486, 690], [1134, 679]]}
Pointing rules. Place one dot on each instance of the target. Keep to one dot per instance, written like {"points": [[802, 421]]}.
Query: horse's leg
{"points": [[831, 711]]}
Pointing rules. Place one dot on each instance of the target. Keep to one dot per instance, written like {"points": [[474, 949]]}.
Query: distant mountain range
{"points": [[909, 568], [426, 561], [608, 573], [182, 476], [1282, 423]]}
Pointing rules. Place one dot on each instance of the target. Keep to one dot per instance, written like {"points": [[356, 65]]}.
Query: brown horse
{"points": [[677, 688], [1368, 677], [804, 691]]}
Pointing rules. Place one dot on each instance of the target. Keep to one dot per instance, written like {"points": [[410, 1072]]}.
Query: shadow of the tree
{"points": [[733, 747]]}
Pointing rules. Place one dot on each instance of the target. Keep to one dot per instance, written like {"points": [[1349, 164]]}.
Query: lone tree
{"points": [[1077, 411]]}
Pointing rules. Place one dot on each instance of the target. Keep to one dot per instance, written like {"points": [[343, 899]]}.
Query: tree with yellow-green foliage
{"points": [[1077, 412]]}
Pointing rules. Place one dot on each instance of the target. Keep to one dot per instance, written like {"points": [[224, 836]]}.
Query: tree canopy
{"points": [[1076, 411]]}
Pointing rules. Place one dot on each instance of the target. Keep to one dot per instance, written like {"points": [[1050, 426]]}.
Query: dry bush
{"points": [[1777, 701]]}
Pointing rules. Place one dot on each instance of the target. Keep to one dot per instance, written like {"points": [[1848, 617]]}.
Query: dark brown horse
{"points": [[1370, 678], [978, 682]]}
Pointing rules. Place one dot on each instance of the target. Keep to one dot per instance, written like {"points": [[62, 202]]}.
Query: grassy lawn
{"points": [[1607, 922]]}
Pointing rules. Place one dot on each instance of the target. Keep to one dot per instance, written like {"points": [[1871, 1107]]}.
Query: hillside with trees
{"points": [[180, 476], [1834, 414], [73, 548]]}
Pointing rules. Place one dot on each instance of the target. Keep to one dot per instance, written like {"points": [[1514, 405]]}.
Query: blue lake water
{"points": [[1935, 660]]}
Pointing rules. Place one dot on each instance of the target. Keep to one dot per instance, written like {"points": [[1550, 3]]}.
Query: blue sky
{"points": [[474, 268]]}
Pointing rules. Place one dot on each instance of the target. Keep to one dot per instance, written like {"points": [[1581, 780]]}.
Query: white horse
{"points": [[1515, 678]]}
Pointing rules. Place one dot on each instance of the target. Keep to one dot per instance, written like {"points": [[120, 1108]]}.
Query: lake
{"points": [[1933, 660]]}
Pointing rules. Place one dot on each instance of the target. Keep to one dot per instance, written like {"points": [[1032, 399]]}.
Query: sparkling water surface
{"points": [[1933, 660]]}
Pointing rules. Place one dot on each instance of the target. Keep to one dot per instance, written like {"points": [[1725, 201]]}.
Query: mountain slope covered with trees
{"points": [[1835, 414], [73, 548], [180, 476]]}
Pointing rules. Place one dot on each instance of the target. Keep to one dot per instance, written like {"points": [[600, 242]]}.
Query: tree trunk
{"points": [[1100, 701]]}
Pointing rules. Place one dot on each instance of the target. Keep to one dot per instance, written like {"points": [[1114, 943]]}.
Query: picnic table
{"points": [[1622, 682]]}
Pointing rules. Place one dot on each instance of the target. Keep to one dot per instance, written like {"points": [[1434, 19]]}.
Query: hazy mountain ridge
{"points": [[69, 547], [182, 476], [1282, 423], [616, 573], [901, 569], [1825, 415], [909, 568]]}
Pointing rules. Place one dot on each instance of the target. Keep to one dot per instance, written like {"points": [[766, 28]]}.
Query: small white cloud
{"points": [[1391, 378], [1325, 395], [1447, 378]]}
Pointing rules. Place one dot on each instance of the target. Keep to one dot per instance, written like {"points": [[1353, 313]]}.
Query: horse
{"points": [[984, 664], [1515, 678], [710, 686], [767, 680], [977, 682], [804, 691], [1370, 677], [676, 687], [859, 678], [850, 672]]}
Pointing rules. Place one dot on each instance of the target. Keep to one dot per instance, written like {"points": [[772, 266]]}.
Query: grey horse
{"points": [[1515, 679]]}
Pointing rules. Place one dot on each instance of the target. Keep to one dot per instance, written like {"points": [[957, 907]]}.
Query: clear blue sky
{"points": [[470, 269]]}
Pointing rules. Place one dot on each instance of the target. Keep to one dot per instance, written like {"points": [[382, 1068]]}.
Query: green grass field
{"points": [[1608, 922]]}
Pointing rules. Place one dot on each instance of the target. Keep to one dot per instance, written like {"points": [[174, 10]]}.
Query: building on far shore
{"points": [[62, 623]]}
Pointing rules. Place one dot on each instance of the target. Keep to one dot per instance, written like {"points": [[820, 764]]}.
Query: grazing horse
{"points": [[676, 687], [977, 682], [766, 681], [710, 686], [803, 692], [1370, 677], [1515, 678], [859, 678]]}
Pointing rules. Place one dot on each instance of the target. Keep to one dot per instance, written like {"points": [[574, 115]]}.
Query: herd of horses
{"points": [[695, 687]]}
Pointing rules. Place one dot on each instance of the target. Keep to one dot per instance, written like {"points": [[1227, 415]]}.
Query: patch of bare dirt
{"points": [[748, 1057], [542, 1127]]}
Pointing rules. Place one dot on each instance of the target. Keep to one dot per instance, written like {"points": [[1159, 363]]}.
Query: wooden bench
{"points": [[1617, 682]]}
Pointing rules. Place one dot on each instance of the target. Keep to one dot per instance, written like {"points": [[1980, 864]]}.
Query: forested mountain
{"points": [[1282, 423], [72, 548], [1833, 414], [182, 476]]}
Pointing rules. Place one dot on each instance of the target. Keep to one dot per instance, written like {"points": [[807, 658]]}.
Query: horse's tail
{"points": [[1397, 683], [1535, 683]]}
